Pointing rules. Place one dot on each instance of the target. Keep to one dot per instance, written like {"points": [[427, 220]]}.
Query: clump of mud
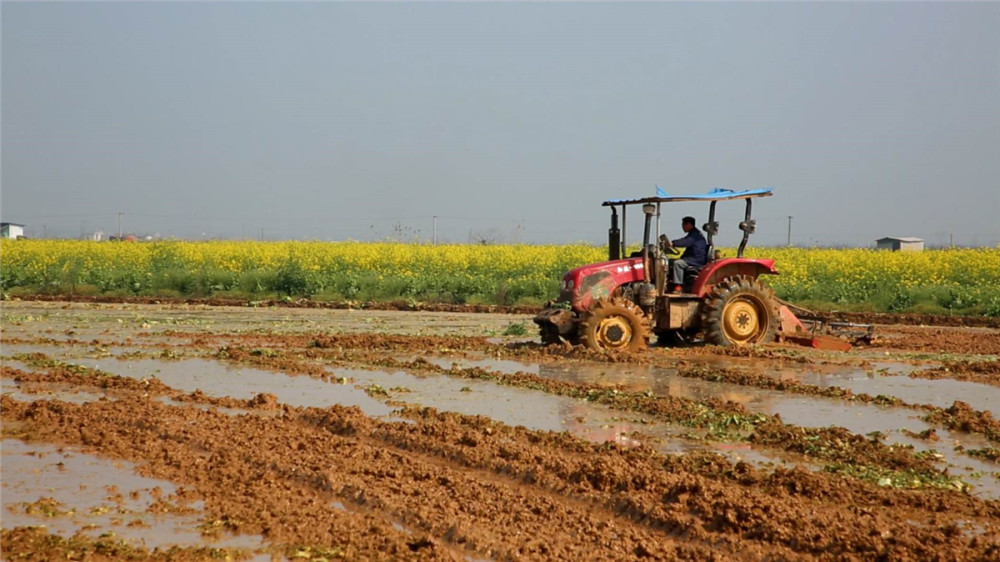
{"points": [[262, 401], [963, 417]]}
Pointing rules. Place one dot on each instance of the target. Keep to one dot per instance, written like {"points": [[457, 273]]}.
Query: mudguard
{"points": [[718, 270]]}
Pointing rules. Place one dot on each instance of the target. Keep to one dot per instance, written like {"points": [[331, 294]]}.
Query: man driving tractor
{"points": [[695, 254]]}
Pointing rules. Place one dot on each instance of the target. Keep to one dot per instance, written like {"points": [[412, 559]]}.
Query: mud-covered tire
{"points": [[740, 311], [616, 325]]}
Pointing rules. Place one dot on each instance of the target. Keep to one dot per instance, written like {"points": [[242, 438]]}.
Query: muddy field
{"points": [[189, 432]]}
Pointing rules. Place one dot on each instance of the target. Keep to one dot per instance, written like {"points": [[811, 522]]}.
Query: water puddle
{"points": [[10, 350], [221, 380], [541, 411], [64, 352], [15, 364], [504, 366], [809, 411], [30, 391], [806, 411], [513, 406], [69, 492], [940, 392]]}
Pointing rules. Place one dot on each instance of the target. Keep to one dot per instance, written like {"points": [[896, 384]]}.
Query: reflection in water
{"points": [[219, 379]]}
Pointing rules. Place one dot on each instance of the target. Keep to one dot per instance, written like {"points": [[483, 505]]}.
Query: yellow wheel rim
{"points": [[741, 321], [614, 332]]}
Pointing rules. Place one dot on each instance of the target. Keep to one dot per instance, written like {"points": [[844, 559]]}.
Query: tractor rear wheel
{"points": [[739, 311], [616, 325]]}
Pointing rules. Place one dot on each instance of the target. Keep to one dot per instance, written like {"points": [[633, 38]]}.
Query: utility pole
{"points": [[789, 231], [120, 216], [434, 238]]}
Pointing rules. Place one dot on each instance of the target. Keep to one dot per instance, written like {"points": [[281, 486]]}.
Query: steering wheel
{"points": [[667, 246]]}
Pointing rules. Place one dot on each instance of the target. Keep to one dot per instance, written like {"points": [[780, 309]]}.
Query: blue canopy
{"points": [[717, 194]]}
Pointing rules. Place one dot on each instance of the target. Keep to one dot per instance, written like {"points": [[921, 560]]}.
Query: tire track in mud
{"points": [[547, 495]]}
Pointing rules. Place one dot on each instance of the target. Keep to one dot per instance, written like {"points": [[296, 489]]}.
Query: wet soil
{"points": [[65, 490], [275, 427], [936, 340], [858, 317], [982, 372], [444, 476], [34, 544]]}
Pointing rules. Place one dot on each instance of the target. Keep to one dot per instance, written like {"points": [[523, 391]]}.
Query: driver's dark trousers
{"points": [[677, 271]]}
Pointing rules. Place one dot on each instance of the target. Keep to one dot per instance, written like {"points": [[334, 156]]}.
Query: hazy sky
{"points": [[335, 121]]}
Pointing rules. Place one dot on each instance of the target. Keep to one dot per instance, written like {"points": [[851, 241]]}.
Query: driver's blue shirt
{"points": [[695, 248]]}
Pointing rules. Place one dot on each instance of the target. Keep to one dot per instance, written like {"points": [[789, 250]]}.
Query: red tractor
{"points": [[617, 304]]}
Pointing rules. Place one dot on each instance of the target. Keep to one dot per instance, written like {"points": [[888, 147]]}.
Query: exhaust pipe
{"points": [[614, 238], [648, 209]]}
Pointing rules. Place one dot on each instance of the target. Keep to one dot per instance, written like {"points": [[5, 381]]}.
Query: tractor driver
{"points": [[694, 256]]}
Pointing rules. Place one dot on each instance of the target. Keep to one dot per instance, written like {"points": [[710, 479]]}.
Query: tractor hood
{"points": [[587, 283]]}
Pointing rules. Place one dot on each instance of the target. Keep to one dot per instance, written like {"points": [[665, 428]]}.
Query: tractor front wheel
{"points": [[740, 311], [617, 325]]}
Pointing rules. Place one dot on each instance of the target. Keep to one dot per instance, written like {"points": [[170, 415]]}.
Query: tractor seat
{"points": [[690, 274]]}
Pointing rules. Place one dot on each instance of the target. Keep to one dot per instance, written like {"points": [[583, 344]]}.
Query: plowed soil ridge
{"points": [[982, 372], [545, 496]]}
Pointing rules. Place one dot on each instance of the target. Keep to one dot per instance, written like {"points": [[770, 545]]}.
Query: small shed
{"points": [[900, 244], [11, 230]]}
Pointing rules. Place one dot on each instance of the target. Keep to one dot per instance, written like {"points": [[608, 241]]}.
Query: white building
{"points": [[899, 244], [11, 230]]}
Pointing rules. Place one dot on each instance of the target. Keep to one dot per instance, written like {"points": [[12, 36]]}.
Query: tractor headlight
{"points": [[567, 285]]}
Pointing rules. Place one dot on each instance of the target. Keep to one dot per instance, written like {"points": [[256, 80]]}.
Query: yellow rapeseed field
{"points": [[960, 279]]}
